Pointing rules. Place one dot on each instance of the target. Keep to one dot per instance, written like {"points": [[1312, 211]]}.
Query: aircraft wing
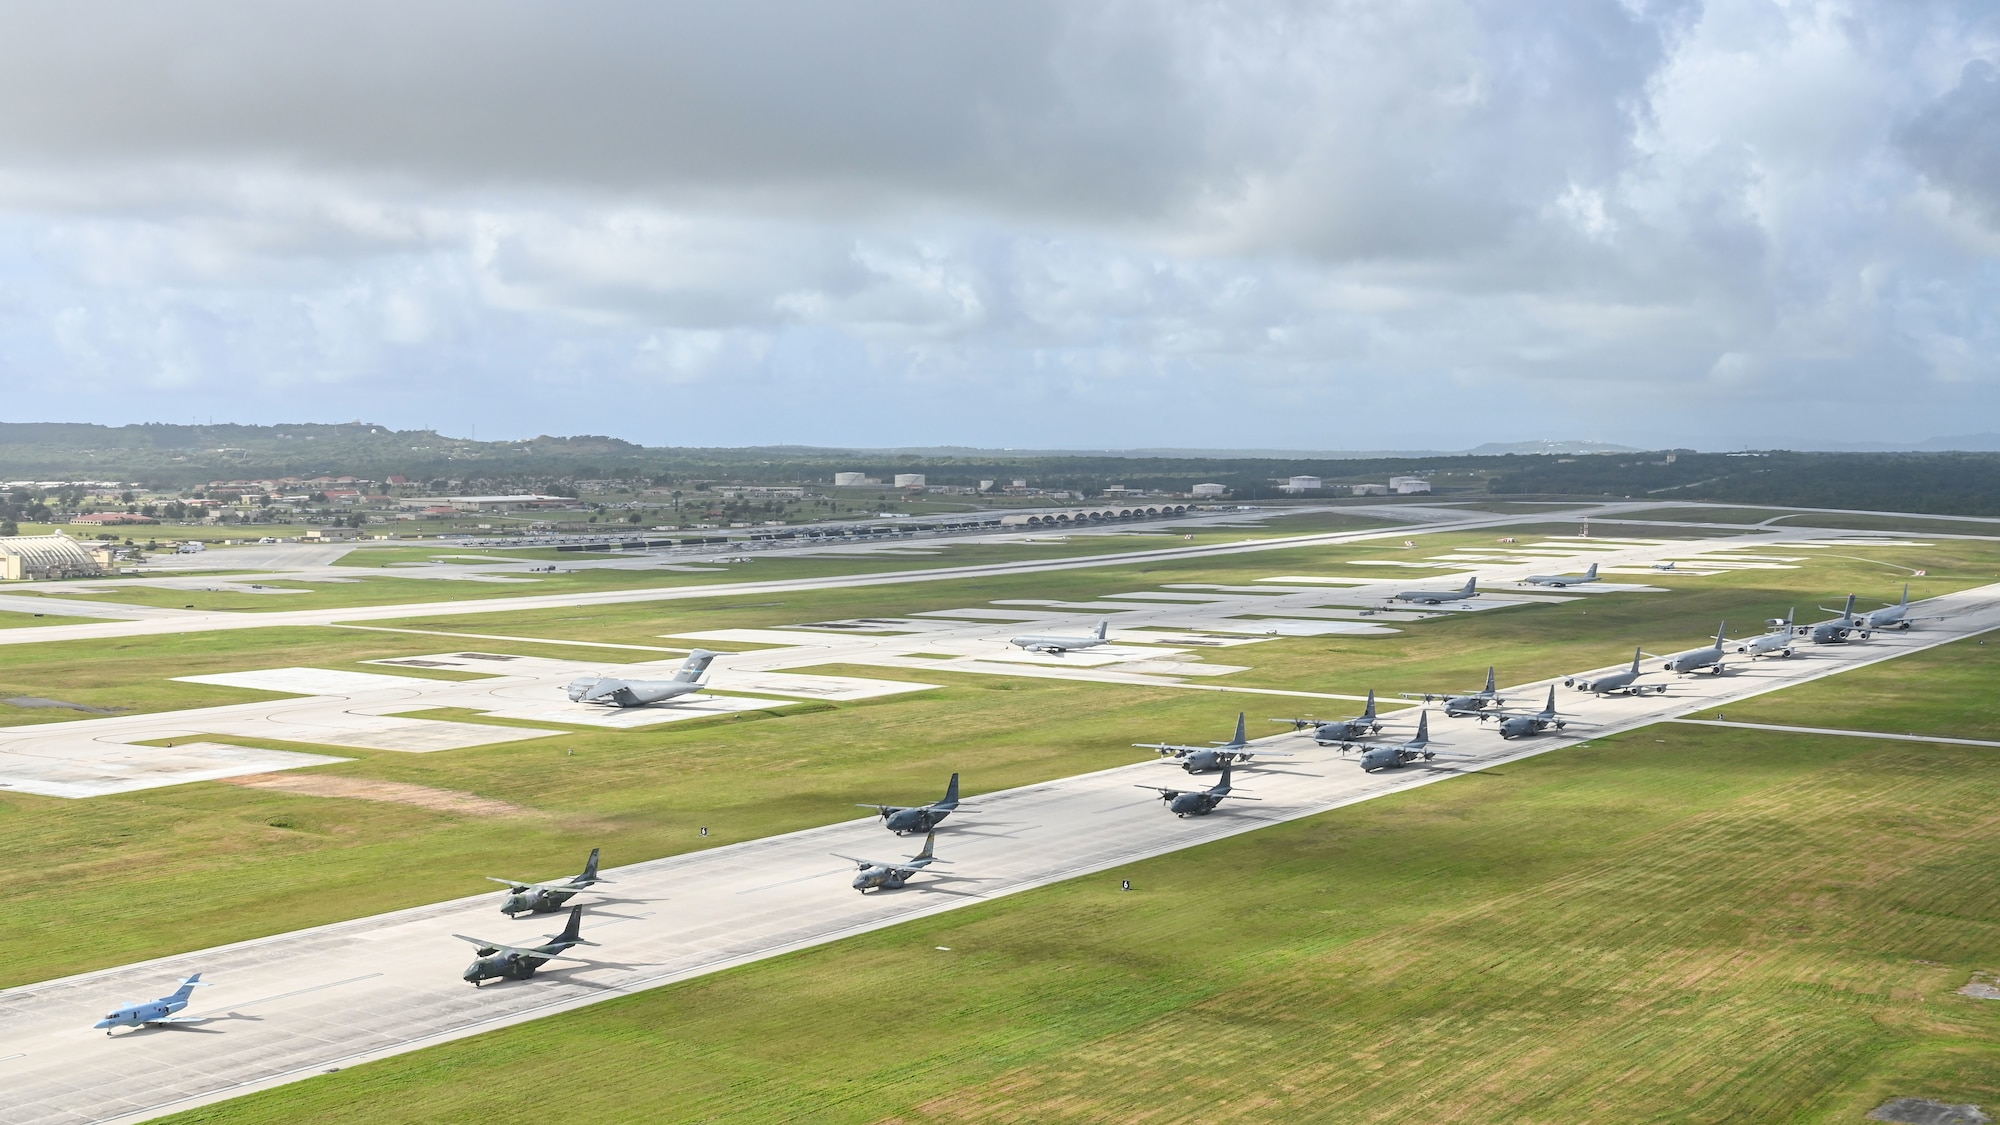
{"points": [[1253, 753], [180, 1019], [524, 951], [883, 809], [522, 883], [1170, 748], [1236, 797], [1162, 789]]}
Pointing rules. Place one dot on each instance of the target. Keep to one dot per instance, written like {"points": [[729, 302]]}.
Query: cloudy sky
{"points": [[1340, 224]]}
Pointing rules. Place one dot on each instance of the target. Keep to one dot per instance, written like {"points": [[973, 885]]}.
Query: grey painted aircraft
{"points": [[1894, 617], [638, 693], [1695, 659], [1563, 579], [153, 1012], [1438, 597], [920, 818], [1625, 680], [1777, 642], [1341, 732], [1837, 630], [498, 959], [1464, 703], [1060, 645], [1417, 749], [880, 875], [1201, 759], [524, 897], [1663, 565], [1182, 803], [1518, 725]]}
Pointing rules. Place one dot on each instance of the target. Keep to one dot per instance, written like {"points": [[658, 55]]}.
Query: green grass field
{"points": [[1703, 929], [1579, 937]]}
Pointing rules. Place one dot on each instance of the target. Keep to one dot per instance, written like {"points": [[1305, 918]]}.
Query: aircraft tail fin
{"points": [[1368, 712], [1423, 730], [1849, 611], [590, 867], [1718, 633], [1635, 660], [1592, 572], [187, 987], [1239, 739], [697, 663], [1906, 594], [1102, 626], [1223, 785], [1551, 706], [1489, 680], [574, 931], [930, 842], [1471, 585], [951, 792]]}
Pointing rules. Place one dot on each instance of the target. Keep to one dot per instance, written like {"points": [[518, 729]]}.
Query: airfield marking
{"points": [[1838, 731], [514, 640], [1091, 825]]}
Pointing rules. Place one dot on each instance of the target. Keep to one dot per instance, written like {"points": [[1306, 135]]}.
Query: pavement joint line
{"points": [[301, 992], [1836, 730]]}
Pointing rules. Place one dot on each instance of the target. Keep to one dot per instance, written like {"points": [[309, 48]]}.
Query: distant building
{"points": [[1207, 491], [1404, 486], [46, 556], [486, 503], [1301, 484], [112, 519], [850, 480], [1370, 489], [909, 480]]}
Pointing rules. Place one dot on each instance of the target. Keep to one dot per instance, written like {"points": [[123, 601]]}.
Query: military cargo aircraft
{"points": [[1341, 732], [1437, 597], [1465, 703], [879, 875], [1837, 630], [1060, 645], [153, 1012], [1201, 759], [1778, 641], [613, 692], [1563, 579], [1695, 659], [1417, 749], [524, 897], [1184, 804], [498, 959], [921, 818], [1625, 680], [1518, 725]]}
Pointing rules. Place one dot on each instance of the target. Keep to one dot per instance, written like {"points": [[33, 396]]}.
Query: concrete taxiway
{"points": [[298, 1004]]}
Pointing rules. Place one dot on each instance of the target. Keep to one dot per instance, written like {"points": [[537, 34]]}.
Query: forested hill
{"points": [[185, 456]]}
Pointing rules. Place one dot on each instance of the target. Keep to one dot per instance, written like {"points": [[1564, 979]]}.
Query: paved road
{"points": [[294, 1005]]}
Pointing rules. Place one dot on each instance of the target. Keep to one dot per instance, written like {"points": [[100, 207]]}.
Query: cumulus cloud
{"points": [[1027, 224]]}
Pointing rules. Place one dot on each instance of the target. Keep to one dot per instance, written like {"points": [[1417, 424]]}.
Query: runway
{"points": [[293, 1005]]}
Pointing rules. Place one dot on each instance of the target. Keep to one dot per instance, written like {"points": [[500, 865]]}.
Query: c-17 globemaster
{"points": [[1437, 597], [524, 897], [1182, 803], [638, 693], [498, 959], [1341, 732], [1201, 759], [1625, 680], [1835, 631], [880, 875], [1060, 645], [922, 818], [1560, 580], [153, 1012]]}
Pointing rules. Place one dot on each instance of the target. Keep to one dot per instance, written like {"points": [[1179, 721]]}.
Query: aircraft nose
{"points": [[472, 972], [110, 1021]]}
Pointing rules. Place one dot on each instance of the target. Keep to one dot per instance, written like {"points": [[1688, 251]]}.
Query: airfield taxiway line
{"points": [[1836, 730], [371, 987], [198, 621]]}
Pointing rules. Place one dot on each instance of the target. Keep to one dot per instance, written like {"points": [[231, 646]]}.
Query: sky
{"points": [[1345, 224]]}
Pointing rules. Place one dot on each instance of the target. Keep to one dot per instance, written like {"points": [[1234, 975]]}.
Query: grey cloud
{"points": [[1956, 140]]}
